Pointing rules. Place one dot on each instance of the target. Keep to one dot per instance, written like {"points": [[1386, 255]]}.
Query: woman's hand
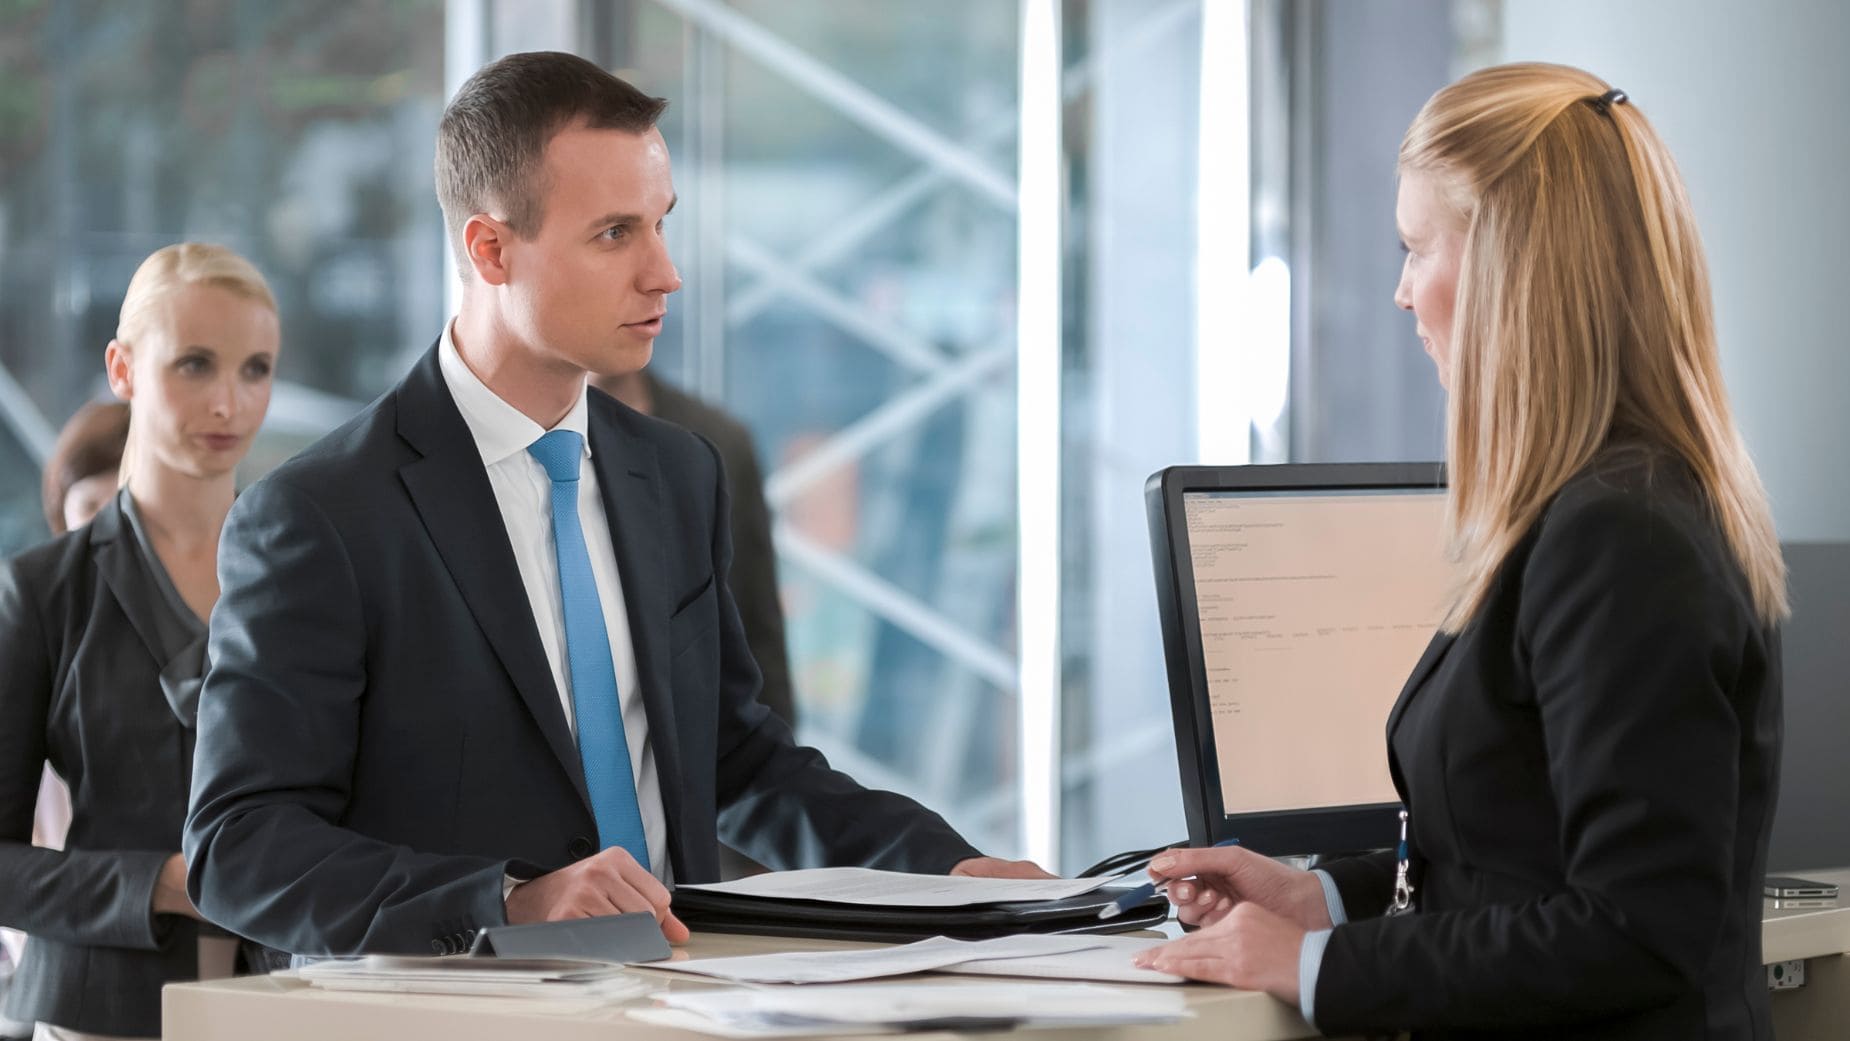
{"points": [[1206, 885], [170, 890], [1248, 947], [995, 867]]}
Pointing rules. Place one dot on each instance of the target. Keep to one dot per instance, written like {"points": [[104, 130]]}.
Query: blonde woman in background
{"points": [[1589, 750], [103, 632]]}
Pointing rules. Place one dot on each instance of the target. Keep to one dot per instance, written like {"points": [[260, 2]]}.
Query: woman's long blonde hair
{"points": [[167, 271], [1583, 312]]}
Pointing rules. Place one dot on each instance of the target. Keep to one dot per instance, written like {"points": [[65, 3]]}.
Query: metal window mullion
{"points": [[1040, 191]]}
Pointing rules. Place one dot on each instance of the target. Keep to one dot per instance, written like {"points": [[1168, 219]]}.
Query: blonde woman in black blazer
{"points": [[103, 634], [1589, 750]]}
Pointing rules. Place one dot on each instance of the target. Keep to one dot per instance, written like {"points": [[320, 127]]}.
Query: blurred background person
{"points": [[81, 475], [754, 557], [85, 467], [107, 623]]}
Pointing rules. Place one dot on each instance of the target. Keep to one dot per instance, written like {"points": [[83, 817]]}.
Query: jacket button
{"points": [[436, 946], [580, 847]]}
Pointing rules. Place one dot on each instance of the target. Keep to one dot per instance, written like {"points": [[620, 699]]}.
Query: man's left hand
{"points": [[1251, 948], [996, 867]]}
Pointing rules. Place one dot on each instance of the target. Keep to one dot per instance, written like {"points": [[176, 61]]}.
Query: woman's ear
{"points": [[118, 366]]}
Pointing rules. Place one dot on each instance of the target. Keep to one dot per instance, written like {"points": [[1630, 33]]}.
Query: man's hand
{"points": [[608, 883], [1249, 948], [170, 890], [995, 867]]}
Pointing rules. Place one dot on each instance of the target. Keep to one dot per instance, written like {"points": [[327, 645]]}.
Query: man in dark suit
{"points": [[476, 659]]}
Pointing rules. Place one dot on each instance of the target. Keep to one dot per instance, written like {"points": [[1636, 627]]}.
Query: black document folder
{"points": [[706, 911]]}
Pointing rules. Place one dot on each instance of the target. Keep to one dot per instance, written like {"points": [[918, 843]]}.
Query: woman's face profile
{"points": [[1432, 233]]}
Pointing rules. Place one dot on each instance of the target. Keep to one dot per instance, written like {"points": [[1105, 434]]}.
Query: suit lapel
{"points": [[629, 481], [1416, 681], [119, 564], [450, 490]]}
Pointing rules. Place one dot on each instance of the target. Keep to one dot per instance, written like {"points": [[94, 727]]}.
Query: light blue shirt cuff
{"points": [[1310, 963], [1331, 898]]}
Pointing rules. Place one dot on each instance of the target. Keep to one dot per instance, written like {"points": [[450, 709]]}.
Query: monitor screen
{"points": [[1300, 598]]}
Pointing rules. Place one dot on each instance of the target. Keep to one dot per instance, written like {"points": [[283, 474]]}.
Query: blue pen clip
{"points": [[1145, 892]]}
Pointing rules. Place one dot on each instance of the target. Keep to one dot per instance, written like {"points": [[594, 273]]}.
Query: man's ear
{"points": [[484, 240], [118, 365]]}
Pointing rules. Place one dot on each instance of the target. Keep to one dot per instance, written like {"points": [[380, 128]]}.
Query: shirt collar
{"points": [[500, 430]]}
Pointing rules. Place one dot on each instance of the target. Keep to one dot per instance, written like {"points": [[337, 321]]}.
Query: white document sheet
{"points": [[938, 952], [870, 888], [1104, 958], [827, 1009], [498, 977]]}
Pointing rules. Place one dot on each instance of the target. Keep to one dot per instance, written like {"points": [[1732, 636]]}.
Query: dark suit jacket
{"points": [[380, 737], [1590, 771], [754, 557], [85, 635]]}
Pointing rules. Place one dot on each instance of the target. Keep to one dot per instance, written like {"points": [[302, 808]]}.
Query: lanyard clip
{"points": [[1403, 889]]}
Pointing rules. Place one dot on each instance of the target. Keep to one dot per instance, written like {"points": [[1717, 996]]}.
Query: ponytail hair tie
{"points": [[1605, 101]]}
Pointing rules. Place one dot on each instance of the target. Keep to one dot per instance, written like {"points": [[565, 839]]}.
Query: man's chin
{"points": [[621, 359]]}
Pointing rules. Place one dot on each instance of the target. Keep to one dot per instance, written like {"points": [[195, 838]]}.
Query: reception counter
{"points": [[282, 1008]]}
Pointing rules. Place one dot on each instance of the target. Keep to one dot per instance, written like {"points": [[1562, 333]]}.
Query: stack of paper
{"points": [[1058, 957], [892, 1008], [867, 887], [500, 977]]}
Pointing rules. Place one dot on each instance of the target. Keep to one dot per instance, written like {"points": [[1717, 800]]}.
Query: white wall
{"points": [[1751, 98]]}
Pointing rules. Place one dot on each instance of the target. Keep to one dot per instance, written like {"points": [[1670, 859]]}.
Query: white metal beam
{"points": [[1037, 388], [23, 416], [903, 609], [875, 428], [887, 206], [905, 347], [846, 96]]}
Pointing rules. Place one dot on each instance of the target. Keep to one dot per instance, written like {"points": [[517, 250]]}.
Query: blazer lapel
{"points": [[177, 650], [450, 489], [118, 561], [1435, 653], [629, 481]]}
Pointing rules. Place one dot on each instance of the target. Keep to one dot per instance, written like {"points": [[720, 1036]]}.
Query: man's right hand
{"points": [[608, 883], [1206, 884]]}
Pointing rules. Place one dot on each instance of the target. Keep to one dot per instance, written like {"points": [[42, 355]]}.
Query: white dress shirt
{"points": [[524, 494]]}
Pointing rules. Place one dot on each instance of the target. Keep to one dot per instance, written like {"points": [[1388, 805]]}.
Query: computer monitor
{"points": [[1294, 600]]}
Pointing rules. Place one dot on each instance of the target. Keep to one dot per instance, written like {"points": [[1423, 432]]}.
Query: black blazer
{"points": [[380, 739], [1590, 771], [754, 559], [85, 635]]}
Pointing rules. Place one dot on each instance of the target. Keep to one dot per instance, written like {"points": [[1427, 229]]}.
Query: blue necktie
{"points": [[602, 745]]}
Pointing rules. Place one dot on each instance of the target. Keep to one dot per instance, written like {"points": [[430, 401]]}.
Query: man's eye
{"points": [[616, 232]]}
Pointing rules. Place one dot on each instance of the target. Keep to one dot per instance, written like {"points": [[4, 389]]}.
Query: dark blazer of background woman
{"points": [[85, 637], [1590, 769]]}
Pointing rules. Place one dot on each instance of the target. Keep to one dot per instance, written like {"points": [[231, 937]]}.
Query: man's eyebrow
{"points": [[611, 220]]}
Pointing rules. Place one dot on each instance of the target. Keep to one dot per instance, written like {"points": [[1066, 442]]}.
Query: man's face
{"points": [[589, 289]]}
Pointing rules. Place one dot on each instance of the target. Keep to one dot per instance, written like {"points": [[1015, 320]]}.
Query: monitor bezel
{"points": [[1325, 830]]}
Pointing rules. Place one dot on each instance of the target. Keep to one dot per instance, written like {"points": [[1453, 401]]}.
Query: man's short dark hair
{"points": [[493, 136]]}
